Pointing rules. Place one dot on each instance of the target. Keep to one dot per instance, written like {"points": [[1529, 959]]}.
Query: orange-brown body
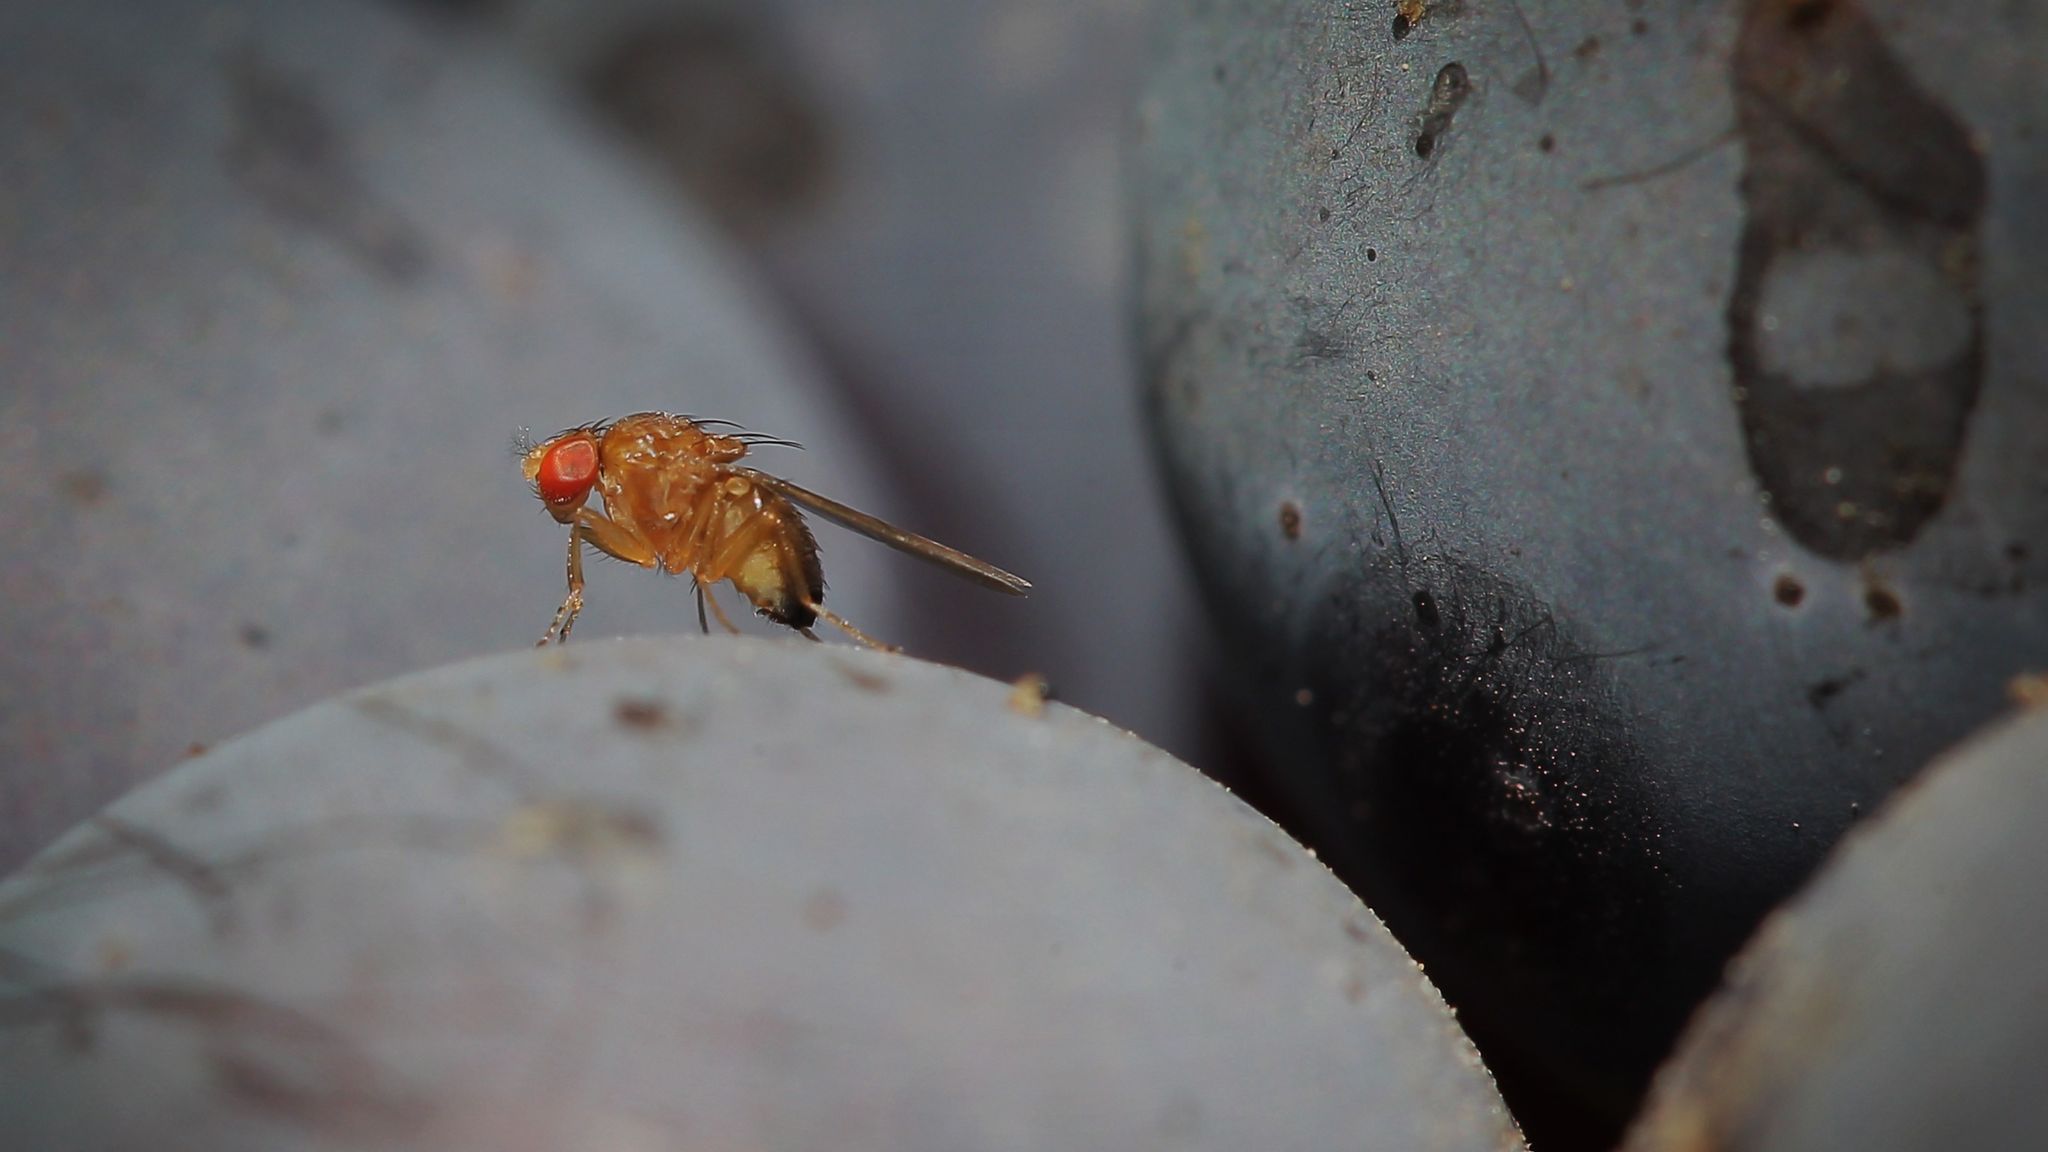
{"points": [[670, 484], [676, 498]]}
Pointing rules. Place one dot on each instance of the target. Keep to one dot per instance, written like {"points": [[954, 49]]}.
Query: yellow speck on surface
{"points": [[116, 954], [2029, 690], [1194, 248], [575, 829], [1028, 694]]}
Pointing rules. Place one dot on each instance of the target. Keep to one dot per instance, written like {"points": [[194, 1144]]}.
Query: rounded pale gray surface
{"points": [[280, 284], [708, 893], [1901, 1002], [1585, 596]]}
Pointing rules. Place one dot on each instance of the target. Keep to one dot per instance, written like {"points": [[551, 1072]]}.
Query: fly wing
{"points": [[952, 560]]}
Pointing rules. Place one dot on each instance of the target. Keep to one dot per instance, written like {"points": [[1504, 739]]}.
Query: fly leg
{"points": [[607, 536], [846, 626], [572, 604], [774, 601], [718, 610], [704, 573]]}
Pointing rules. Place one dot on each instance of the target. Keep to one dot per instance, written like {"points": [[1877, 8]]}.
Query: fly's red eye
{"points": [[567, 470]]}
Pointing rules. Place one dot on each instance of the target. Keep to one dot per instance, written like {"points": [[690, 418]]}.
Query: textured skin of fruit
{"points": [[709, 893], [1614, 442]]}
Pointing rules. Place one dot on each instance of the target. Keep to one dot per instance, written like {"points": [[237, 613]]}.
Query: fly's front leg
{"points": [[572, 604], [609, 537]]}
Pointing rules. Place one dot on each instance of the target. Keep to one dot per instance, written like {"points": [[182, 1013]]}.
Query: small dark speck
{"points": [[1357, 931], [824, 910], [462, 9], [1402, 26], [1180, 1122], [1290, 521], [1425, 609], [329, 422], [863, 679], [1221, 73], [1425, 144], [1787, 590], [253, 635], [195, 748], [643, 714], [1546, 142], [1809, 15], [1588, 48], [1639, 26], [205, 798], [85, 486], [1823, 692], [2016, 552], [1276, 848], [1323, 214], [1371, 254], [1452, 85], [1882, 603]]}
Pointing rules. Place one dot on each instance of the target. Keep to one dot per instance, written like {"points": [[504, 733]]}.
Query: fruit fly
{"points": [[678, 500]]}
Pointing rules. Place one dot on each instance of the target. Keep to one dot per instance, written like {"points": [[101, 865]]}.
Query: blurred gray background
{"points": [[282, 280], [932, 188]]}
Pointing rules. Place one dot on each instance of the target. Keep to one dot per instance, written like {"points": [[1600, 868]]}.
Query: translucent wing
{"points": [[952, 560]]}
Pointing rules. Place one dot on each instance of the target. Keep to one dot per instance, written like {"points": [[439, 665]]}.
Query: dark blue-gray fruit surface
{"points": [[1614, 440]]}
